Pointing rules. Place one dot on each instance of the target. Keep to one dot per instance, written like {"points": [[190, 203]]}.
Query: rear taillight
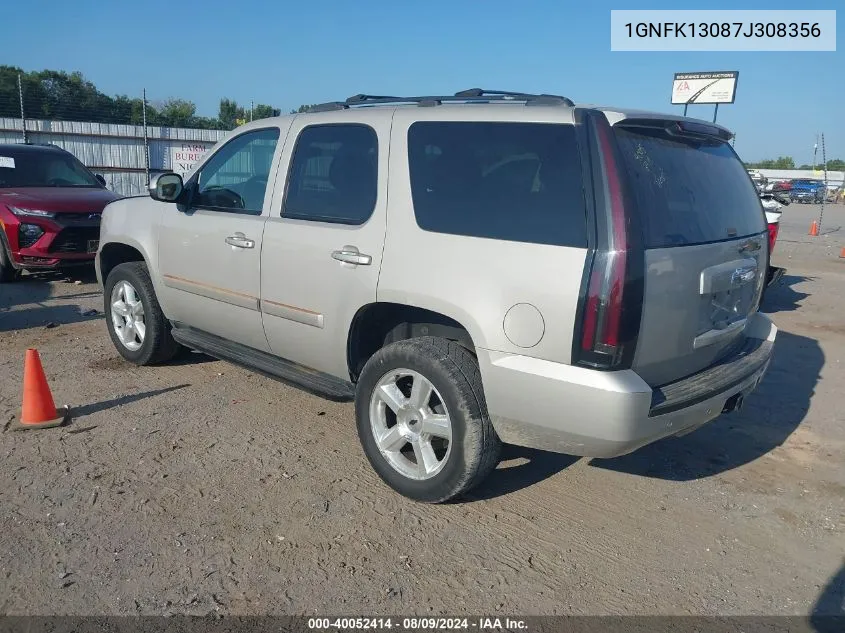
{"points": [[600, 331], [602, 338], [773, 235]]}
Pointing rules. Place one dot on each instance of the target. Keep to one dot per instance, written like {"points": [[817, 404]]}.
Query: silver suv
{"points": [[474, 269]]}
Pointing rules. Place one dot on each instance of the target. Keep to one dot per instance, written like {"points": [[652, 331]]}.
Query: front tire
{"points": [[136, 324], [8, 272], [422, 419]]}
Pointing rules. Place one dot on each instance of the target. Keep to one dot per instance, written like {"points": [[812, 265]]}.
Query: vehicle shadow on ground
{"points": [[85, 274], [828, 614], [118, 363], [768, 418], [82, 295], [782, 297], [34, 291], [533, 467], [190, 357], [45, 316]]}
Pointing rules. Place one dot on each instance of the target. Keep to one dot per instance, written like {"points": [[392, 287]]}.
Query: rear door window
{"points": [[333, 174], [688, 191], [506, 181]]}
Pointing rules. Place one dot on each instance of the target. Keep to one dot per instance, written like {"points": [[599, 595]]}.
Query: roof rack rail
{"points": [[473, 95], [328, 107], [361, 98], [516, 96]]}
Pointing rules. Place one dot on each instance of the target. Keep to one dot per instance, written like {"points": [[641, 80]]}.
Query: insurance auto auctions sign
{"points": [[714, 87]]}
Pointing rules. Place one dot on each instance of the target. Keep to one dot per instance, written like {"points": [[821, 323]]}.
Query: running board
{"points": [[272, 366]]}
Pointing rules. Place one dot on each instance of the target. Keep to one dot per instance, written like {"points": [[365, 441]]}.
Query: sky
{"points": [[288, 53]]}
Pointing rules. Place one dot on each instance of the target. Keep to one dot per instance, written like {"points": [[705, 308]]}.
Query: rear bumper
{"points": [[574, 410], [774, 274]]}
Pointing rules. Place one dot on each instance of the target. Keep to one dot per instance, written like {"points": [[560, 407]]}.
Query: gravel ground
{"points": [[200, 487]]}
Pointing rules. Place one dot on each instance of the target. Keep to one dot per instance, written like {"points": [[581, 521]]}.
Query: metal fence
{"points": [[124, 138], [124, 154]]}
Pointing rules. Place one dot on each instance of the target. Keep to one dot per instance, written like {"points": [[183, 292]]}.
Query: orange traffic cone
{"points": [[842, 253], [38, 410], [814, 229]]}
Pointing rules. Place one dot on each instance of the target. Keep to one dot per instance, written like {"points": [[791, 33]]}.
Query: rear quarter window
{"points": [[506, 181], [688, 191]]}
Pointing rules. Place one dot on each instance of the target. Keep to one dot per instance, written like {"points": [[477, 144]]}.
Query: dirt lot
{"points": [[200, 487]]}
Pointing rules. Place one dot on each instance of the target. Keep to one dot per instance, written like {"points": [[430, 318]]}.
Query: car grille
{"points": [[74, 239], [73, 218]]}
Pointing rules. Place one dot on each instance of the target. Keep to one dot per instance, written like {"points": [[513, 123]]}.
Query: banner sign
{"points": [[712, 87], [185, 155]]}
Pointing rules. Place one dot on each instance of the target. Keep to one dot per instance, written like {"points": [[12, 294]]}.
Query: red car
{"points": [[50, 209]]}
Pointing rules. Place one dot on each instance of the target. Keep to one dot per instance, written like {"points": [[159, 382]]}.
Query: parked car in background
{"points": [[807, 190], [773, 205], [472, 271], [50, 209], [781, 186], [759, 180]]}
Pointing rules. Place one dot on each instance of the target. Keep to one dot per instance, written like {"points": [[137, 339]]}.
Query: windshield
{"points": [[690, 191], [28, 168]]}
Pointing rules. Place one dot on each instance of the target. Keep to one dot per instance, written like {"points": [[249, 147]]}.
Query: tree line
{"points": [[60, 96], [787, 162]]}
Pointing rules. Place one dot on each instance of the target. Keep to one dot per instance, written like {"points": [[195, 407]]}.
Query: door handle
{"points": [[239, 240], [351, 255]]}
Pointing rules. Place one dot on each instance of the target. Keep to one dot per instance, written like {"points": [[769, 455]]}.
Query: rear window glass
{"points": [[507, 181], [688, 191]]}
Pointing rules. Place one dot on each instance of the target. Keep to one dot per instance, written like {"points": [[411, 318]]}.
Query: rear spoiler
{"points": [[678, 125]]}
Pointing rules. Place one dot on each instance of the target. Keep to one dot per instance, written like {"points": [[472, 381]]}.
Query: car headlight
{"points": [[32, 213]]}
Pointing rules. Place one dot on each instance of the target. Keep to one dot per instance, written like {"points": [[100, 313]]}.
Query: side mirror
{"points": [[100, 179], [166, 187]]}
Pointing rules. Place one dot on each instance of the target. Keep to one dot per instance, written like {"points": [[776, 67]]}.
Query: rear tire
{"points": [[130, 285], [449, 374]]}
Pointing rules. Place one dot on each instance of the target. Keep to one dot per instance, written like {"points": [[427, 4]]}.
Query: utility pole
{"points": [[824, 193], [146, 140], [23, 117]]}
